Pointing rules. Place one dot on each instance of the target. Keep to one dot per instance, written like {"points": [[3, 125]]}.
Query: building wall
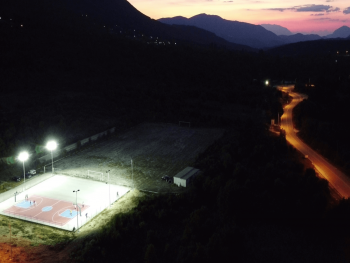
{"points": [[180, 182]]}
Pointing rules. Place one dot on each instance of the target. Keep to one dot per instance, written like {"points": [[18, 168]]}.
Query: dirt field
{"points": [[156, 150]]}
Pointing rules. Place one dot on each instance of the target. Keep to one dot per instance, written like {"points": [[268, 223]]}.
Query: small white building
{"points": [[184, 177]]}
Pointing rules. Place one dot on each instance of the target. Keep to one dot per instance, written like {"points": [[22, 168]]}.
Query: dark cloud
{"points": [[308, 8], [346, 11], [313, 8], [279, 9], [329, 0], [317, 14]]}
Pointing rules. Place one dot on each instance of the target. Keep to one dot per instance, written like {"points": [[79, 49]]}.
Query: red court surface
{"points": [[45, 209]]}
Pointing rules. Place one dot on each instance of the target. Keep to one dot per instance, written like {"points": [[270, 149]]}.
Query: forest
{"points": [[322, 118]]}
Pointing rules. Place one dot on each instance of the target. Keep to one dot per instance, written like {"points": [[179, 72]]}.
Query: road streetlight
{"points": [[23, 156], [51, 146], [266, 82], [76, 203], [109, 189]]}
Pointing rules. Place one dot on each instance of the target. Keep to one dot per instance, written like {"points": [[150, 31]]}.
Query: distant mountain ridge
{"points": [[233, 31], [300, 38], [257, 36], [277, 29], [342, 32]]}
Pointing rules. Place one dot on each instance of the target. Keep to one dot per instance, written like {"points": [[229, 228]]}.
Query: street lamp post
{"points": [[132, 174], [76, 203], [51, 146], [23, 156], [109, 190]]}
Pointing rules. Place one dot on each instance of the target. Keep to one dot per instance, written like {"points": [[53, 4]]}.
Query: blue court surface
{"points": [[46, 208], [24, 204], [67, 214]]}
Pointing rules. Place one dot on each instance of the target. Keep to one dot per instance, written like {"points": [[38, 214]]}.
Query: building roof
{"points": [[186, 173]]}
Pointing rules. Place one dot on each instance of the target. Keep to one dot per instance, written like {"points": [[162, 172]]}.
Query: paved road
{"points": [[335, 177]]}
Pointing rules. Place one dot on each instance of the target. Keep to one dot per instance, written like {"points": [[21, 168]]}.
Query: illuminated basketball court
{"points": [[55, 201]]}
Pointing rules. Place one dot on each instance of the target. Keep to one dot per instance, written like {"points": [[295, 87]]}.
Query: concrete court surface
{"points": [[95, 194]]}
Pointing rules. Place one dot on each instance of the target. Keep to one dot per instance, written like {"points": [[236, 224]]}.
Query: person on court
{"points": [[70, 212]]}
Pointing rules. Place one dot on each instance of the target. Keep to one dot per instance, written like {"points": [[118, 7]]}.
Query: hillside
{"points": [[118, 17], [312, 48]]}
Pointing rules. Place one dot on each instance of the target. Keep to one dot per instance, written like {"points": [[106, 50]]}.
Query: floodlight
{"points": [[23, 156], [266, 82], [51, 145]]}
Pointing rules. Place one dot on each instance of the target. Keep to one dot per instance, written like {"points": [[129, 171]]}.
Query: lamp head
{"points": [[23, 156], [51, 145]]}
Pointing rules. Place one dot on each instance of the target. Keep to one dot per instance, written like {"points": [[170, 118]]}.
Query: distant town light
{"points": [[21, 25]]}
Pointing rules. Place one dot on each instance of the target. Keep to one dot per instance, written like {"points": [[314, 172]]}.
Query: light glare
{"points": [[51, 145], [23, 156]]}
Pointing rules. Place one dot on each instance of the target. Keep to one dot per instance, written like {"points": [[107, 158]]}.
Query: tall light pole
{"points": [[109, 190], [76, 203], [23, 156], [51, 146], [132, 174]]}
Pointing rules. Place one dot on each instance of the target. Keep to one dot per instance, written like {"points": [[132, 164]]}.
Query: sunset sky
{"points": [[315, 16]]}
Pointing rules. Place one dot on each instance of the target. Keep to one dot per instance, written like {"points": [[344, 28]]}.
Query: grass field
{"points": [[156, 150]]}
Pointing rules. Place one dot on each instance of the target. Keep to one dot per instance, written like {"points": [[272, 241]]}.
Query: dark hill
{"points": [[116, 16], [316, 47]]}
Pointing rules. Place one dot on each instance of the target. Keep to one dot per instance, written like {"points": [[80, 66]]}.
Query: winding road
{"points": [[335, 177]]}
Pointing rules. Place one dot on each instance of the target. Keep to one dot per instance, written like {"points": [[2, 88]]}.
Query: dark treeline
{"points": [[322, 118]]}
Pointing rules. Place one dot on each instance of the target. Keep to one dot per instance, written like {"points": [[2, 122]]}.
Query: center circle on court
{"points": [[46, 208]]}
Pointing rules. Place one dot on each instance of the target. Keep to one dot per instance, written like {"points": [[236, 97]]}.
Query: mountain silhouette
{"points": [[341, 32], [117, 14], [233, 31], [299, 38], [114, 16], [278, 30]]}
